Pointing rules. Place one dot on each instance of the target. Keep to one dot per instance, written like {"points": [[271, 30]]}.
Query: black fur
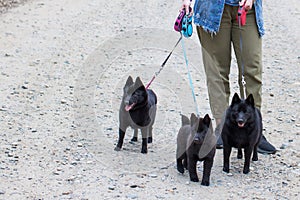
{"points": [[140, 116], [242, 129], [192, 148]]}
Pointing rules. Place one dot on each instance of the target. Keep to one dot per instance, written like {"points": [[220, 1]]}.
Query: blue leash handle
{"points": [[190, 78]]}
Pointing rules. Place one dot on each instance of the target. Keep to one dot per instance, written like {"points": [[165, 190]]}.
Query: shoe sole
{"points": [[259, 150]]}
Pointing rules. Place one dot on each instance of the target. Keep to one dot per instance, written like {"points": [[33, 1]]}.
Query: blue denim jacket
{"points": [[208, 14]]}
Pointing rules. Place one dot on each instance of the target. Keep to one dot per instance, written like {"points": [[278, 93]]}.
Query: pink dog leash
{"points": [[157, 73]]}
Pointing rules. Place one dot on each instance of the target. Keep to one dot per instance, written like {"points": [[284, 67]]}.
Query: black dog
{"points": [[138, 110], [196, 142], [242, 129]]}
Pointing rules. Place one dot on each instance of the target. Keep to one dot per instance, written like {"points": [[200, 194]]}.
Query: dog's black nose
{"points": [[197, 140]]}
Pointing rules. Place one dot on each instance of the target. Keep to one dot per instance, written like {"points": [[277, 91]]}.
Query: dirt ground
{"points": [[63, 66], [7, 4]]}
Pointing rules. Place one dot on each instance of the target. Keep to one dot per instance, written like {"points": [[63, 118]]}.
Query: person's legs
{"points": [[216, 53]]}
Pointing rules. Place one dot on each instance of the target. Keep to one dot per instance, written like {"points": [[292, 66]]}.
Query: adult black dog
{"points": [[138, 110], [242, 129], [196, 142]]}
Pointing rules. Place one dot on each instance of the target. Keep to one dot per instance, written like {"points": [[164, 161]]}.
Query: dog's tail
{"points": [[185, 120]]}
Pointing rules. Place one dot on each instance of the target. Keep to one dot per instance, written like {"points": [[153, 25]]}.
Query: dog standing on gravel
{"points": [[196, 142], [138, 110], [242, 129]]}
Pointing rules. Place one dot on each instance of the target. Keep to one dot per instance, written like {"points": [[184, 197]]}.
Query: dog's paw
{"points": [[254, 158], [117, 149], [144, 151], [205, 183], [225, 169], [246, 171], [149, 139], [194, 179], [180, 169]]}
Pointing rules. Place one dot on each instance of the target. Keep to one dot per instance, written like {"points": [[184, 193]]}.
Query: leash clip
{"points": [[244, 85], [243, 80]]}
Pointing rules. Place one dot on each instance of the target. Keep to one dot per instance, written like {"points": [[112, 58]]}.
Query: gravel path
{"points": [[63, 65], [7, 4]]}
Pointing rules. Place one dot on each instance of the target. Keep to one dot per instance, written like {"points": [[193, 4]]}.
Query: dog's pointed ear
{"points": [[250, 100], [206, 120], [235, 99], [129, 81], [194, 121], [138, 83], [185, 120]]}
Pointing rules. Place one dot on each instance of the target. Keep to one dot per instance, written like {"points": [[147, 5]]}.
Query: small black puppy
{"points": [[138, 110], [196, 142], [242, 129]]}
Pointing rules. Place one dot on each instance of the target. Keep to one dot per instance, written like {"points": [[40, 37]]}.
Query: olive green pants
{"points": [[216, 53]]}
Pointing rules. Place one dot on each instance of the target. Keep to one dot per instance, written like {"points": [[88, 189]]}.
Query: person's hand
{"points": [[248, 4], [186, 4]]}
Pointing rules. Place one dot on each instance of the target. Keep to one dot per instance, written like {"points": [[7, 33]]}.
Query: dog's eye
{"points": [[137, 92], [235, 113]]}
